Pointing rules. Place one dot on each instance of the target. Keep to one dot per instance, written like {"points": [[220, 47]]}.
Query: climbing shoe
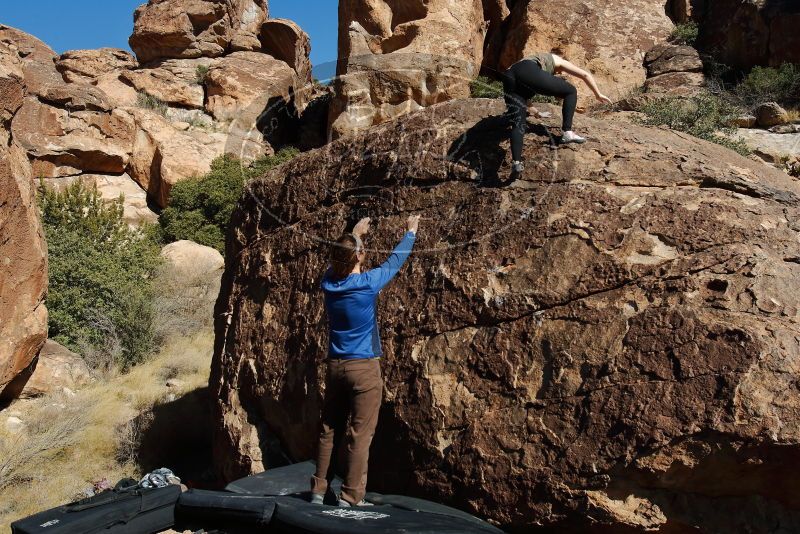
{"points": [[572, 137], [517, 166], [316, 498], [344, 504]]}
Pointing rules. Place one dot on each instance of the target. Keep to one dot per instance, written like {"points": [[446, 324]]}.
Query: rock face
{"points": [[88, 65], [185, 29], [399, 56], [745, 33], [609, 342], [23, 254], [674, 70], [57, 368], [610, 38]]}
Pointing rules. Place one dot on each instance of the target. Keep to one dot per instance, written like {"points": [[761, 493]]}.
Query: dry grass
{"points": [[794, 114], [70, 442]]}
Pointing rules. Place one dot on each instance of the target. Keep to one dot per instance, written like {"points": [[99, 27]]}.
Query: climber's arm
{"points": [[562, 65]]}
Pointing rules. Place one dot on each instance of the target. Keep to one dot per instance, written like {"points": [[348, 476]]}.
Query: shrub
{"points": [[705, 116], [200, 73], [100, 275], [148, 101], [768, 84], [200, 208], [485, 87], [685, 33]]}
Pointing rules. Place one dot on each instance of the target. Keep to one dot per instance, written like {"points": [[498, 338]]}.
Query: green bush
{"points": [[705, 116], [768, 84], [148, 101], [200, 208], [200, 73], [100, 275], [685, 33], [485, 87]]}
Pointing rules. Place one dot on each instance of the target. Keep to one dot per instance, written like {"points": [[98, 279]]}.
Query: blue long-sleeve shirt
{"points": [[351, 304]]}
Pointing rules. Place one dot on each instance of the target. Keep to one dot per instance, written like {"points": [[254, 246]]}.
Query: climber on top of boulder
{"points": [[353, 383], [535, 75]]}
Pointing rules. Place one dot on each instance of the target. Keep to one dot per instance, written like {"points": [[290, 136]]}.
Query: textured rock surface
{"points": [[397, 56], [173, 81], [88, 65], [188, 258], [609, 341], [285, 40], [771, 114], [165, 29], [745, 33], [57, 368], [610, 38], [771, 147], [242, 85], [163, 155], [23, 260]]}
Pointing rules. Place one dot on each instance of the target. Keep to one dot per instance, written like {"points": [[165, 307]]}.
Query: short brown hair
{"points": [[344, 256]]}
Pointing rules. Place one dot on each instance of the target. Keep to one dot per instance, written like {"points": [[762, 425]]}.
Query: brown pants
{"points": [[354, 388]]}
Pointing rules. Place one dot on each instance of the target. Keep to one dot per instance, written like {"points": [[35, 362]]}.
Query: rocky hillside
{"points": [[208, 78], [608, 341]]}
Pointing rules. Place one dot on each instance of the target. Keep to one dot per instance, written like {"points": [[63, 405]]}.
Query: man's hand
{"points": [[362, 227], [413, 223], [604, 99]]}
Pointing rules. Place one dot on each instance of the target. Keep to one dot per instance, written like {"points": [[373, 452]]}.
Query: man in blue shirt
{"points": [[353, 384]]}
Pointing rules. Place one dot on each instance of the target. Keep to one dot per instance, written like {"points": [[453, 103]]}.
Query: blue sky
{"points": [[76, 24]]}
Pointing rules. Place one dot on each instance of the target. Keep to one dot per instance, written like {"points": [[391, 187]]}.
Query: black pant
{"points": [[523, 81]]}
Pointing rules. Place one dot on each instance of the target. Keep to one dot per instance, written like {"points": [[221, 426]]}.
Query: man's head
{"points": [[346, 253]]}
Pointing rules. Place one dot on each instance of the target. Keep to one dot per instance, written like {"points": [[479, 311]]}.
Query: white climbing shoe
{"points": [[344, 504], [316, 498], [517, 166], [571, 137]]}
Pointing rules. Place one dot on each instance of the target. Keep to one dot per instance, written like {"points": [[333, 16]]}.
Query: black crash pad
{"points": [[204, 509], [294, 515], [290, 480]]}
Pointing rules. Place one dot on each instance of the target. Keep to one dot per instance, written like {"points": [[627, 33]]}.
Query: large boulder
{"points": [[609, 341], [61, 142], [177, 82], [36, 59], [57, 369], [745, 33], [243, 85], [609, 37], [283, 39], [185, 29], [163, 155], [23, 285], [88, 65], [399, 56]]}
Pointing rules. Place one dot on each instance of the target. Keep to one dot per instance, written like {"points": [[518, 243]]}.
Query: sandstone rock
{"points": [[23, 259], [771, 147], [14, 424], [189, 258], [608, 344], [785, 129], [743, 34], [745, 121], [186, 29], [676, 83], [174, 81], [771, 114], [58, 369], [243, 86], [609, 38], [163, 155], [74, 97], [665, 58], [396, 57], [285, 40], [62, 143], [136, 209], [118, 93], [36, 59], [88, 65]]}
